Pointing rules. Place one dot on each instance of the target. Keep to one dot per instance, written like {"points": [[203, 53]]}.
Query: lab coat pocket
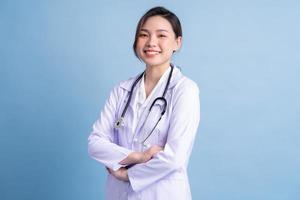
{"points": [[162, 137], [158, 137], [153, 139]]}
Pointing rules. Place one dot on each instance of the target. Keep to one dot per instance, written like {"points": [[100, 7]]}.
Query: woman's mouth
{"points": [[151, 52]]}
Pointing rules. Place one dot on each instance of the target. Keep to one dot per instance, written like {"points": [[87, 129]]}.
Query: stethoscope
{"points": [[120, 121]]}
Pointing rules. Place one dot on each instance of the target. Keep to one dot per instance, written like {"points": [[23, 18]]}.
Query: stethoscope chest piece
{"points": [[119, 123]]}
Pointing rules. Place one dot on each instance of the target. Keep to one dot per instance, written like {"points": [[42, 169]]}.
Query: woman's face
{"points": [[156, 42]]}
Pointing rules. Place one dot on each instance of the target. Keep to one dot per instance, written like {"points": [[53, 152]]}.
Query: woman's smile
{"points": [[151, 53]]}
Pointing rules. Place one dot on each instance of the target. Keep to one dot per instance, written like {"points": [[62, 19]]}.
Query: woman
{"points": [[146, 131]]}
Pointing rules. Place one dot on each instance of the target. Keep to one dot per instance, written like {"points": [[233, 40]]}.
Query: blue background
{"points": [[60, 59]]}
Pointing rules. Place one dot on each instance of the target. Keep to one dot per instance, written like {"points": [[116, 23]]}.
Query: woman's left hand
{"points": [[120, 174]]}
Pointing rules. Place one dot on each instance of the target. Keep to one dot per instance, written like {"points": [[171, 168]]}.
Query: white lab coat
{"points": [[165, 175]]}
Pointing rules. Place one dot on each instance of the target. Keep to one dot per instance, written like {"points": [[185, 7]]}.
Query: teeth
{"points": [[151, 52]]}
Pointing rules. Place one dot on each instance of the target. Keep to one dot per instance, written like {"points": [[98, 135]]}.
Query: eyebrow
{"points": [[158, 30]]}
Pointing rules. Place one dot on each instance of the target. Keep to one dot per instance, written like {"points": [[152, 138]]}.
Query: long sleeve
{"points": [[184, 123], [101, 146]]}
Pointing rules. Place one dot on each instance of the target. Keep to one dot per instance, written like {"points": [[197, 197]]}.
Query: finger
{"points": [[109, 170], [157, 147]]}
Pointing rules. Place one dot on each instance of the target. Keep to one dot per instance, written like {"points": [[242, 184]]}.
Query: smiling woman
{"points": [[145, 133]]}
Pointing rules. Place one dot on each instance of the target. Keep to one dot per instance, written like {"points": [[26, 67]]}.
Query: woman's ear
{"points": [[178, 41]]}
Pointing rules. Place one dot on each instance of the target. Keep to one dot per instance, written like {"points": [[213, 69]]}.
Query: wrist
{"points": [[138, 157], [125, 175], [146, 156]]}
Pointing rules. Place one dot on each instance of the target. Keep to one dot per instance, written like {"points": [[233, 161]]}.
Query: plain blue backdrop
{"points": [[60, 59]]}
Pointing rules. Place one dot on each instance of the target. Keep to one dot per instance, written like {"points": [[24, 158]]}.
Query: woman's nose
{"points": [[152, 41]]}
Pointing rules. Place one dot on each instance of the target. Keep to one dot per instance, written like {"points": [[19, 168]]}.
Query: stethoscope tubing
{"points": [[119, 122]]}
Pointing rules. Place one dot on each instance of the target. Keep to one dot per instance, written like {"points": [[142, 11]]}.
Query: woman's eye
{"points": [[162, 36], [142, 35]]}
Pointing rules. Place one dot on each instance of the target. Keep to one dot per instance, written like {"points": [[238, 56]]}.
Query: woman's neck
{"points": [[154, 73], [152, 76]]}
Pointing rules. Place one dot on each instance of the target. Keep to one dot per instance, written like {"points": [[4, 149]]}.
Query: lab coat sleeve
{"points": [[101, 146], [184, 123]]}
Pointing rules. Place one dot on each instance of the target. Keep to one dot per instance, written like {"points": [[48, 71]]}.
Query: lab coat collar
{"points": [[176, 76]]}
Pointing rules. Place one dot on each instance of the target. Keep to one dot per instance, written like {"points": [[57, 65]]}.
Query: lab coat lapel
{"points": [[127, 85]]}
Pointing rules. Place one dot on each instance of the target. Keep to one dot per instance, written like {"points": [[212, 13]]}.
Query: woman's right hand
{"points": [[141, 157], [149, 153]]}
